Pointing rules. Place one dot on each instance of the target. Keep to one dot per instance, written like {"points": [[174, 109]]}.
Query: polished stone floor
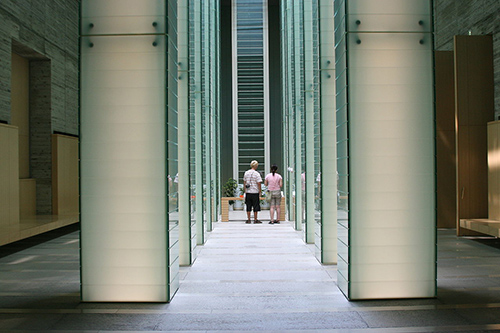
{"points": [[247, 277]]}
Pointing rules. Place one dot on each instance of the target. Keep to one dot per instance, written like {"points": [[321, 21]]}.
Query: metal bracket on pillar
{"points": [[180, 70]]}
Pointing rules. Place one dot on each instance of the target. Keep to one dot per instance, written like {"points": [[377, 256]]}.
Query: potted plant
{"points": [[229, 188]]}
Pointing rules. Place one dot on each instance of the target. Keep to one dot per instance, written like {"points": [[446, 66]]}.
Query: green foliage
{"points": [[229, 188]]}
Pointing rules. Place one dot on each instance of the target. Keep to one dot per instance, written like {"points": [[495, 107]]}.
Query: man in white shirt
{"points": [[252, 182]]}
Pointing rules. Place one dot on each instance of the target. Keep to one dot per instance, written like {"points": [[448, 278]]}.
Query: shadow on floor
{"points": [[23, 244], [488, 241]]}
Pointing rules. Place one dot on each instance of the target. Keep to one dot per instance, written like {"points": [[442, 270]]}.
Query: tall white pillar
{"points": [[385, 136], [327, 180], [124, 223]]}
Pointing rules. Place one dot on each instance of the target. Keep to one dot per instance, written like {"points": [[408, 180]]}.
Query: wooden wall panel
{"points": [[65, 175], [478, 171], [463, 176], [445, 140], [474, 108]]}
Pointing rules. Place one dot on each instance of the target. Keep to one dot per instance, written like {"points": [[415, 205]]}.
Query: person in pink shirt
{"points": [[274, 182]]}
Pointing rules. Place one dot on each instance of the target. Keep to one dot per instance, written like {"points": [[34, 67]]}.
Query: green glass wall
{"points": [[292, 106], [195, 121], [298, 112], [187, 220], [311, 128], [172, 147], [204, 114], [301, 101], [309, 122], [286, 38]]}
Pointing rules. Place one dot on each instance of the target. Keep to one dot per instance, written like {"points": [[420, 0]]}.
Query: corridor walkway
{"points": [[248, 277]]}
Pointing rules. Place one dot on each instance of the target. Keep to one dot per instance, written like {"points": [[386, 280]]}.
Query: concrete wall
{"points": [[479, 17], [46, 33]]}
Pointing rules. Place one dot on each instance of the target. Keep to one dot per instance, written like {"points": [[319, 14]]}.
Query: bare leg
{"points": [[271, 211], [278, 211], [255, 215], [248, 216]]}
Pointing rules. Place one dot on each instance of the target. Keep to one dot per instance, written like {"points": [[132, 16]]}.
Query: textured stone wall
{"points": [[46, 33], [479, 17]]}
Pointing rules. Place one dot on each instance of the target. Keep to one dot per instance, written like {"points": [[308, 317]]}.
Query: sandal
{"points": [[271, 222], [257, 221], [277, 222], [248, 221]]}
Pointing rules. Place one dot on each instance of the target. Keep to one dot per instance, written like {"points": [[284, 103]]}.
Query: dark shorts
{"points": [[253, 202]]}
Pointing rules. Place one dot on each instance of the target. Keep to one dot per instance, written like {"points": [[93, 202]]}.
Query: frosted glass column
{"points": [[286, 33], [298, 112], [327, 178], [195, 10], [207, 113], [186, 232], [216, 95], [310, 61], [385, 136], [124, 234]]}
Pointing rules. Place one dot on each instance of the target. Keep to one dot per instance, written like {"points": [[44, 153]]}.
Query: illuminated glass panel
{"points": [[128, 123], [385, 143]]}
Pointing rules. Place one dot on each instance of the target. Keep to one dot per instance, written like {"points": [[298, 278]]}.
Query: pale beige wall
{"points": [[9, 178], [65, 190], [494, 170], [20, 110], [27, 198]]}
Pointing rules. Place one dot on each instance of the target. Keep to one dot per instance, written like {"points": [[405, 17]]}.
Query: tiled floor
{"points": [[248, 277]]}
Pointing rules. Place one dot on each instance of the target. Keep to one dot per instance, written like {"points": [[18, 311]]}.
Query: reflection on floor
{"points": [[241, 215], [35, 225], [248, 277]]}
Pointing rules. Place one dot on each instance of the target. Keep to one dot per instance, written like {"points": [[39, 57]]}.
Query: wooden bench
{"points": [[225, 207], [484, 226]]}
